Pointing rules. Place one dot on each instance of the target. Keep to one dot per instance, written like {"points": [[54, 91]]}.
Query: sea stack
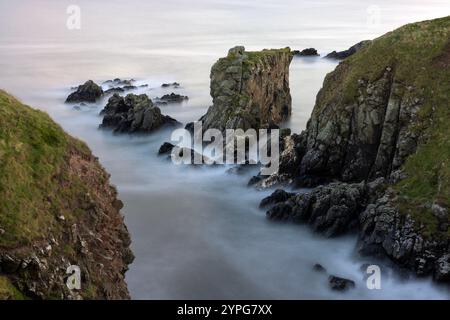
{"points": [[249, 90]]}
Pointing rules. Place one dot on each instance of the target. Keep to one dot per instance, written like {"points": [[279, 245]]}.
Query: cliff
{"points": [[57, 209], [379, 131], [249, 90]]}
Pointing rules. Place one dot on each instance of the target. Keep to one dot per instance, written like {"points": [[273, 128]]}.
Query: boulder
{"points": [[340, 284], [165, 148], [87, 92], [133, 114]]}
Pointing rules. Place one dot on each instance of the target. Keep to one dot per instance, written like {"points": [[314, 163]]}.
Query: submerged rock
{"points": [[133, 114], [87, 92], [165, 148], [173, 84], [350, 51], [319, 268], [340, 284]]}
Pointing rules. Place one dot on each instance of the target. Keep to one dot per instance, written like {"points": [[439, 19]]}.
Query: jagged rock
{"points": [[133, 114], [350, 51], [276, 197], [378, 129], [443, 268], [331, 209], [88, 92], [385, 231], [172, 98], [165, 148], [249, 90], [340, 284], [306, 52]]}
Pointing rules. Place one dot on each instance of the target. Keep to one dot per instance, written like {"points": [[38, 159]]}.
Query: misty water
{"points": [[198, 233]]}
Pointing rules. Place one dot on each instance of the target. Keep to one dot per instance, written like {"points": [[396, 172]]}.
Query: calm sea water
{"points": [[198, 233]]}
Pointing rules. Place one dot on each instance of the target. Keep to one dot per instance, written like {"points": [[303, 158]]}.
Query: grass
{"points": [[414, 52], [8, 291], [34, 186]]}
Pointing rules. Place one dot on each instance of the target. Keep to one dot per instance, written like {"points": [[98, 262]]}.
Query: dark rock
{"points": [[276, 197], [165, 148], [9, 264], [306, 52], [190, 127], [254, 180], [88, 92], [133, 114], [340, 284], [194, 156], [319, 268], [331, 209], [172, 98], [129, 87], [173, 84], [350, 51], [443, 269], [114, 90]]}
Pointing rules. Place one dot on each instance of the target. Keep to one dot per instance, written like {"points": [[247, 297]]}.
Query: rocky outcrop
{"points": [[331, 209], [87, 92], [58, 210], [309, 52], [367, 138], [133, 114], [341, 55], [249, 90], [375, 151], [171, 98], [340, 284]]}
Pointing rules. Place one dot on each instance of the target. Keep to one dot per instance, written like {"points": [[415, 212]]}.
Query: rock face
{"points": [[249, 90], [133, 114], [375, 149], [60, 211], [87, 92], [341, 55]]}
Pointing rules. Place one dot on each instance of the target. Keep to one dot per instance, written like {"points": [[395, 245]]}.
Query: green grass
{"points": [[413, 51], [34, 185], [8, 291]]}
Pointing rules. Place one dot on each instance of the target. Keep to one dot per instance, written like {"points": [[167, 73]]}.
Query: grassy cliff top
{"points": [[419, 54], [33, 152]]}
